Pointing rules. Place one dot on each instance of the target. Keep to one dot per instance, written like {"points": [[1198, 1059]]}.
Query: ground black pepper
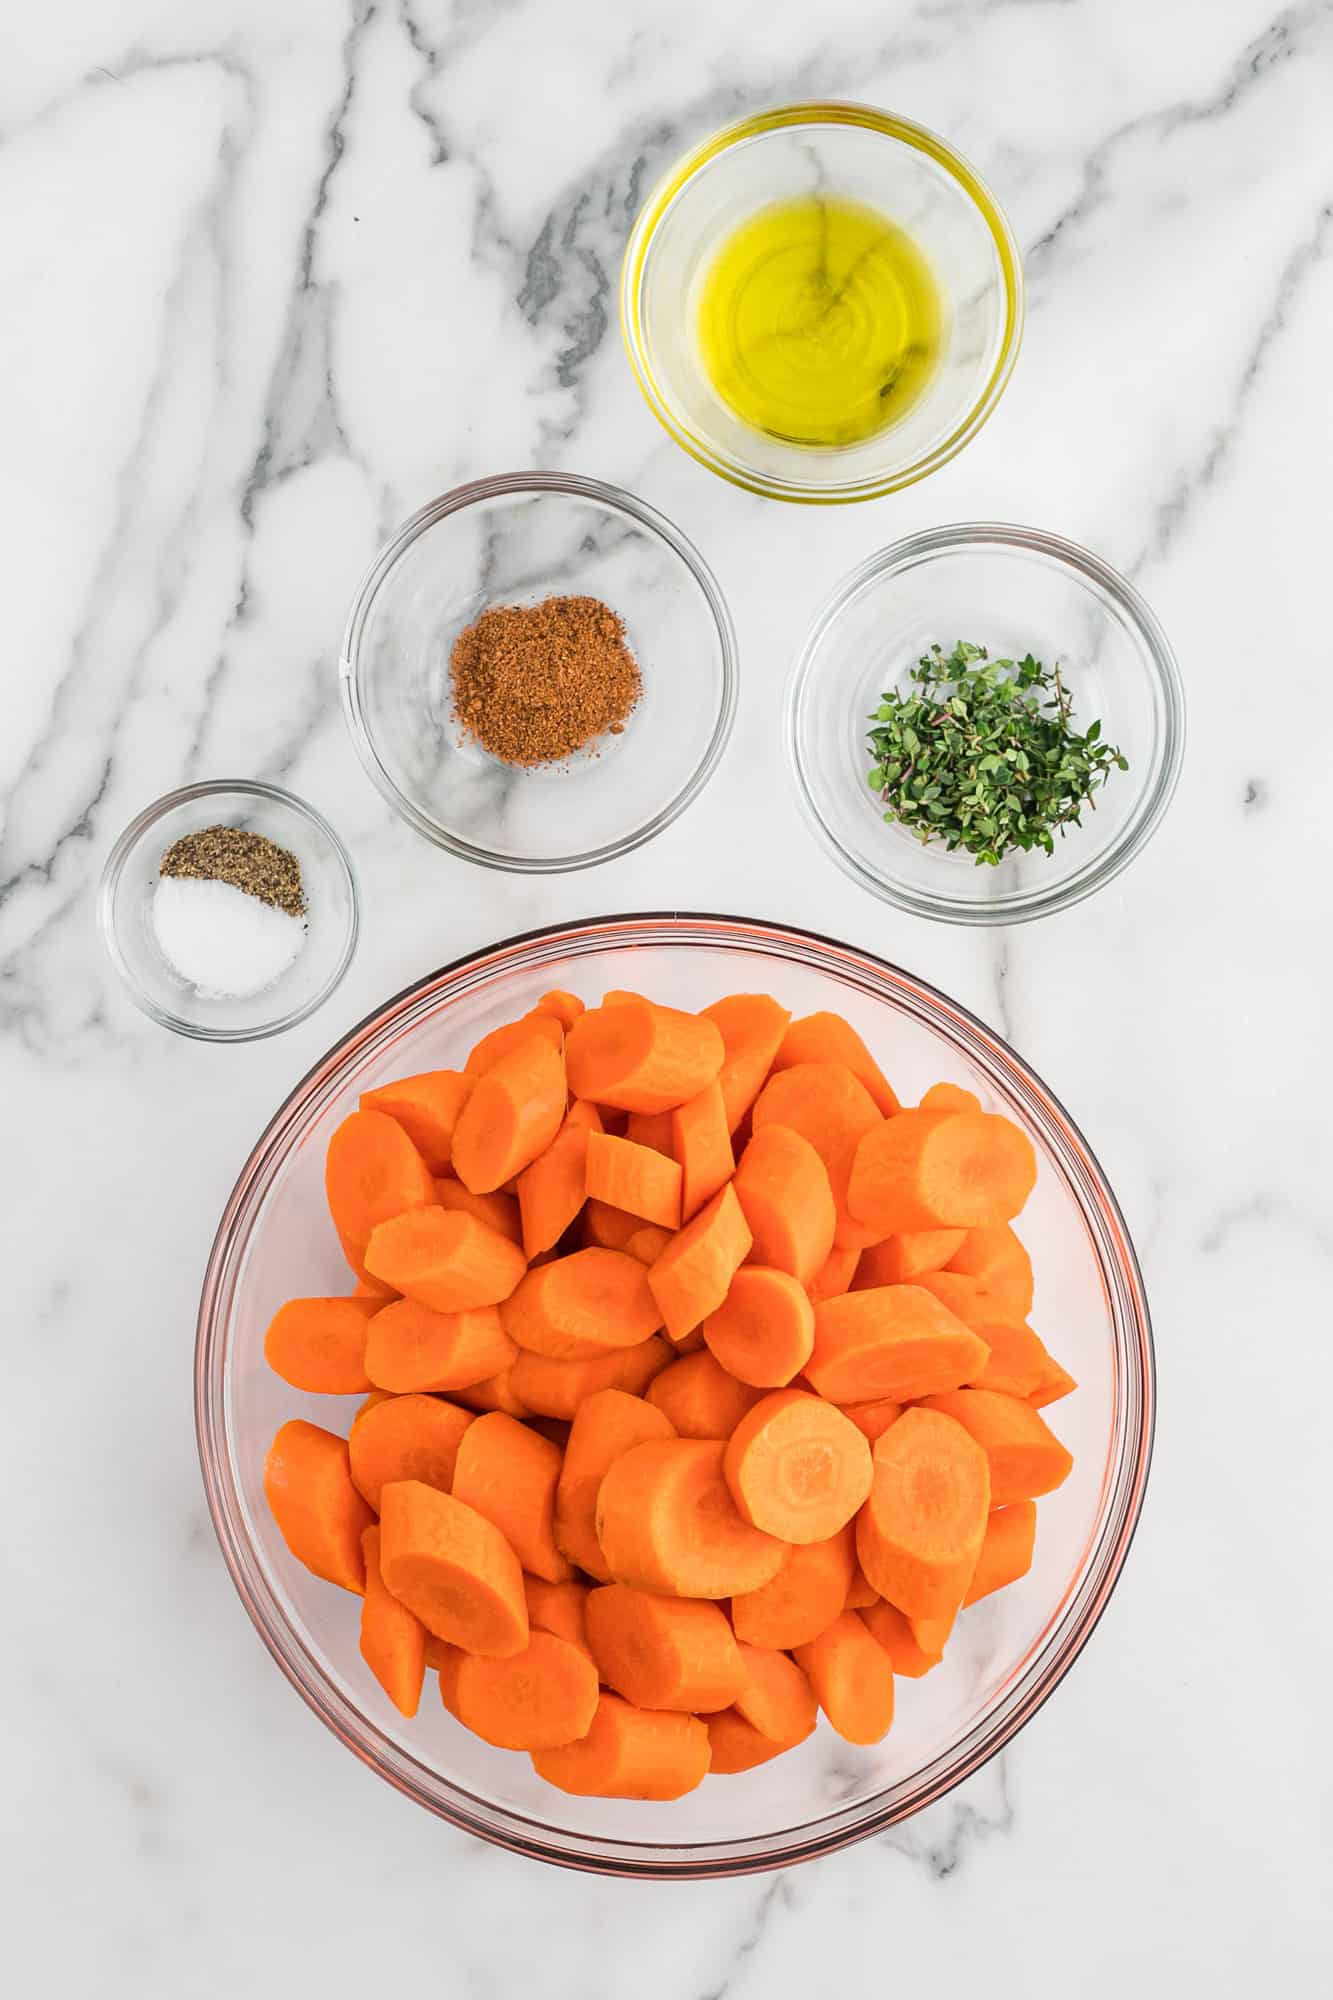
{"points": [[249, 861], [534, 683]]}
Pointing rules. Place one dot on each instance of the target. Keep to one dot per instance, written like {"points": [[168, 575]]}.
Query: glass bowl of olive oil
{"points": [[822, 302]]}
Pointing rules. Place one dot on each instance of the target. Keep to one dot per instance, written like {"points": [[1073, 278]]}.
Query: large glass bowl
{"points": [[1009, 1652], [1014, 590], [515, 540], [884, 163]]}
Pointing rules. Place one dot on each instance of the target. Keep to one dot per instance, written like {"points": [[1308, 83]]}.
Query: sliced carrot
{"points": [[1055, 1383], [607, 1228], [667, 1522], [804, 1597], [650, 1128], [502, 1041], [852, 1679], [320, 1344], [920, 1533], [827, 1105], [427, 1108], [1006, 1551], [900, 1260], [896, 1341], [405, 1437], [752, 1026], [582, 1305], [551, 1189], [700, 1140], [516, 1108], [372, 1172], [664, 1652], [1017, 1363], [891, 1630], [996, 1256], [558, 1607], [835, 1276], [648, 1243], [796, 1467], [629, 1753], [633, 1178], [949, 1097], [861, 1592], [559, 1388], [446, 1660], [411, 1348], [620, 996], [764, 1330], [691, 1277], [538, 1699], [972, 1300], [873, 1418], [736, 1745], [508, 1473], [827, 1038], [783, 1188], [393, 1640], [496, 1392], [606, 1425], [1026, 1458], [498, 1211], [372, 1401], [776, 1698], [923, 1170], [453, 1568], [320, 1514], [702, 1399], [566, 1007], [642, 1057], [449, 1262]]}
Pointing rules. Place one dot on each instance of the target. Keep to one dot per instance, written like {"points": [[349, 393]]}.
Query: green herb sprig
{"points": [[983, 754]]}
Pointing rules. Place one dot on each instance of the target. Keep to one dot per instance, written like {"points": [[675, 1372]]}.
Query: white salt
{"points": [[222, 941]]}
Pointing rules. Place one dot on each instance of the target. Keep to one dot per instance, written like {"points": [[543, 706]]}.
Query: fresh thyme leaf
{"points": [[985, 755]]}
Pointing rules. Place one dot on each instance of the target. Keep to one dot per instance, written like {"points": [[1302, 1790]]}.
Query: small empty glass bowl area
{"points": [[515, 540], [886, 164], [1013, 590]]}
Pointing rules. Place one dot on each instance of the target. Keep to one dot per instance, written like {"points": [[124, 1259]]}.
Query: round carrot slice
{"points": [[538, 1699], [764, 1330], [453, 1568], [797, 1468], [666, 1521]]}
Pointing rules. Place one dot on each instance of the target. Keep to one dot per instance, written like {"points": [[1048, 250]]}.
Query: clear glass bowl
{"points": [[125, 910], [886, 163], [1013, 590], [1010, 1651], [515, 540]]}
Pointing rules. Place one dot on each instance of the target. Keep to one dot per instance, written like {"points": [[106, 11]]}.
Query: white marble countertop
{"points": [[275, 272]]}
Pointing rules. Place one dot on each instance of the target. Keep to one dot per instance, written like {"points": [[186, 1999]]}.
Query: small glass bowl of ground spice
{"points": [[861, 681], [229, 910], [539, 672]]}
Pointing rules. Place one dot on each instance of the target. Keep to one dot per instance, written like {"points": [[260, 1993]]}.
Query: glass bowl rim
{"points": [[1156, 652], [867, 117], [1078, 1611], [538, 483], [114, 867]]}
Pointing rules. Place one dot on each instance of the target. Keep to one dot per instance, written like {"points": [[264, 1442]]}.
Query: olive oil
{"points": [[820, 321]]}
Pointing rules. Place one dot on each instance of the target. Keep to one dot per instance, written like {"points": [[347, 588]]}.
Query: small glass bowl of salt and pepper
{"points": [[229, 910]]}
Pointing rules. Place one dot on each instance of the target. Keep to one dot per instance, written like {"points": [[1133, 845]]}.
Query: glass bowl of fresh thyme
{"points": [[986, 722], [539, 672]]}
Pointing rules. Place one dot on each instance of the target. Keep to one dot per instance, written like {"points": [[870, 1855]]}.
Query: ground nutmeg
{"points": [[534, 683]]}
